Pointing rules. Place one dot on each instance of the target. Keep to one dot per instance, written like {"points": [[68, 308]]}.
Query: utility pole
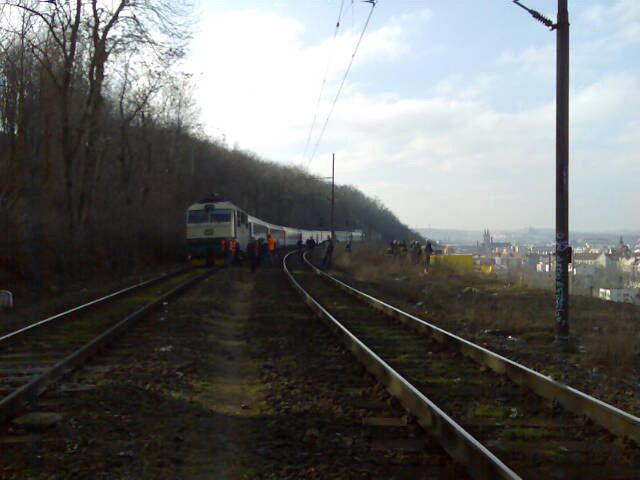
{"points": [[563, 249], [333, 193]]}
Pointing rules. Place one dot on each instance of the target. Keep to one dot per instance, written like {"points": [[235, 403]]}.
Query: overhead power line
{"points": [[344, 78], [324, 80]]}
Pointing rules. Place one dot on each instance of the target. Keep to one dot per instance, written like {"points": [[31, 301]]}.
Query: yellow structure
{"points": [[457, 261]]}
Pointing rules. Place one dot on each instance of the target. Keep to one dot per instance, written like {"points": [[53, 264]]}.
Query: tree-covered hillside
{"points": [[101, 151]]}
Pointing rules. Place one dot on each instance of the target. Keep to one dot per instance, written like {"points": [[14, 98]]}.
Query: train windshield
{"points": [[198, 216], [221, 216]]}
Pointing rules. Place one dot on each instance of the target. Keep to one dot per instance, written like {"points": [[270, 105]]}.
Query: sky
{"points": [[448, 112]]}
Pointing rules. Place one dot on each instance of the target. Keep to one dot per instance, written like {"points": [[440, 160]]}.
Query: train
{"points": [[211, 221]]}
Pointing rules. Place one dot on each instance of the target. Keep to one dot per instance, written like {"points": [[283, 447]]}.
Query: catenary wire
{"points": [[324, 81], [344, 78]]}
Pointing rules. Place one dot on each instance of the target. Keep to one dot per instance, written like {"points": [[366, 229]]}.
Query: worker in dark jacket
{"points": [[428, 251], [328, 253], [264, 252], [253, 252]]}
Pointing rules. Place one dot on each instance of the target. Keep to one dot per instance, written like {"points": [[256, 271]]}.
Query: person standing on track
{"points": [[428, 251], [271, 245], [225, 251], [263, 252], [390, 248], [253, 252], [300, 246], [328, 253], [233, 248]]}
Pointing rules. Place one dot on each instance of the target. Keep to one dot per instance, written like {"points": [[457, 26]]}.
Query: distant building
{"points": [[623, 250], [487, 241], [489, 246], [508, 260], [589, 258], [546, 264], [630, 265], [531, 259], [621, 295]]}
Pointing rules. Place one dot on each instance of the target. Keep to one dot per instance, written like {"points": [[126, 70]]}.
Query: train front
{"points": [[208, 225]]}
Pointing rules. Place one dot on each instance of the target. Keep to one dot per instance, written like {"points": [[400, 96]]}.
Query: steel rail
{"points": [[16, 401], [93, 303], [480, 462], [613, 419]]}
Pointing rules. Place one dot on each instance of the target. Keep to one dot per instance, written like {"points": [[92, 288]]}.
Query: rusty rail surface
{"points": [[4, 339], [613, 419], [17, 400], [480, 462]]}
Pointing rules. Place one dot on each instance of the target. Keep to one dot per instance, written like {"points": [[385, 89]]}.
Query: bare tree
{"points": [[96, 116], [70, 38]]}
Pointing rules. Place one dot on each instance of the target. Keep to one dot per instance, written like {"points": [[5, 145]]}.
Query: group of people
{"points": [[259, 251], [263, 252], [415, 251], [397, 248], [310, 245]]}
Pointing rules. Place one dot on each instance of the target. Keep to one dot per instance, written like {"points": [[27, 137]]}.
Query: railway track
{"points": [[496, 417], [37, 355]]}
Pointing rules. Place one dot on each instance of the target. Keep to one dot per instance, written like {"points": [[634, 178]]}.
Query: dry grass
{"points": [[475, 304]]}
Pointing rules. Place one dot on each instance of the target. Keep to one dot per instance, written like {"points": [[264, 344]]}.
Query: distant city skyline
{"points": [[529, 235], [448, 114], [540, 229]]}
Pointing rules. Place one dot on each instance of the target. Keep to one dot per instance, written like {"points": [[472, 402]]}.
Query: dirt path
{"points": [[222, 448]]}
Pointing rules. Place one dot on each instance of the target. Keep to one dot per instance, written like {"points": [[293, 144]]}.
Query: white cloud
{"points": [[621, 19], [537, 60], [448, 157], [482, 159], [603, 101], [595, 15], [463, 88], [625, 10], [616, 12], [258, 82]]}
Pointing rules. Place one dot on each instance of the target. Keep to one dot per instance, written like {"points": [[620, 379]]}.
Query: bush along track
{"points": [[537, 439]]}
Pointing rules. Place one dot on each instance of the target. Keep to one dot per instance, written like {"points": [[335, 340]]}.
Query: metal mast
{"points": [[333, 192], [563, 249]]}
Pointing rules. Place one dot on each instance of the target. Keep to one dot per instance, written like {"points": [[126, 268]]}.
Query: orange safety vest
{"points": [[272, 244], [232, 246]]}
